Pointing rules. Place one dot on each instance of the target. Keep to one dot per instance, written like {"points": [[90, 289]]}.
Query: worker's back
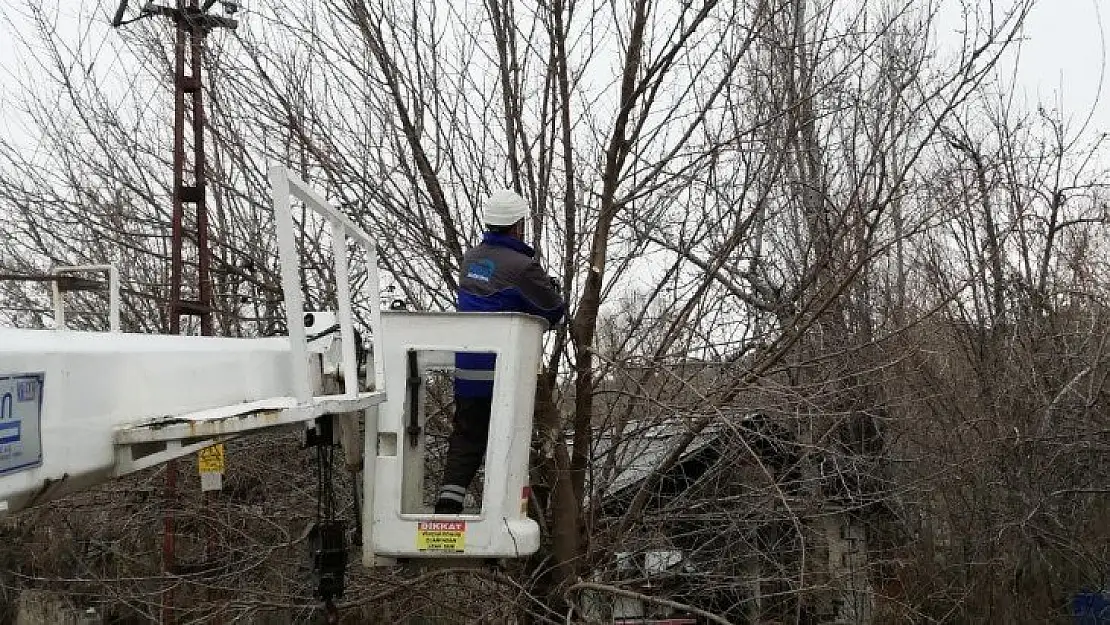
{"points": [[500, 275]]}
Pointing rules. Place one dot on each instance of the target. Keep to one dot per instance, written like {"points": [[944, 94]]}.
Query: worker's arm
{"points": [[541, 294]]}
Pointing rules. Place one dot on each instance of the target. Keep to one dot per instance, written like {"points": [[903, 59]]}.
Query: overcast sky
{"points": [[1061, 59]]}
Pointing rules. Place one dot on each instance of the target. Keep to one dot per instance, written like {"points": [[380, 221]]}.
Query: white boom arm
{"points": [[77, 408]]}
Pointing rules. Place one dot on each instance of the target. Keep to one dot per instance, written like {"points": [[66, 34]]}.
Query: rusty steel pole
{"points": [[190, 282], [188, 177], [190, 260], [186, 85]]}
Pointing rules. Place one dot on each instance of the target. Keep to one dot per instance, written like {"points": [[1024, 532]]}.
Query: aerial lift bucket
{"points": [[398, 520]]}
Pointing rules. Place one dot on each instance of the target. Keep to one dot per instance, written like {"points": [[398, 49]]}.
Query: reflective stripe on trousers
{"points": [[474, 375]]}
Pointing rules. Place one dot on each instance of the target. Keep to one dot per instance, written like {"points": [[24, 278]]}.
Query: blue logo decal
{"points": [[26, 390], [481, 270], [9, 427]]}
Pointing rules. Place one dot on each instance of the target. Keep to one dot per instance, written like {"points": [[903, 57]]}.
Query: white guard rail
{"points": [[285, 186], [113, 293]]}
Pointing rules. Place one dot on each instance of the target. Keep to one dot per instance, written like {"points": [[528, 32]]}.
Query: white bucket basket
{"points": [[399, 522]]}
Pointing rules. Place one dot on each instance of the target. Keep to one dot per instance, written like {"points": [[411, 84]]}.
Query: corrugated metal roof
{"points": [[640, 449]]}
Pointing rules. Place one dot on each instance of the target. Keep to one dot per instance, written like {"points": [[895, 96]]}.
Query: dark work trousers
{"points": [[465, 450]]}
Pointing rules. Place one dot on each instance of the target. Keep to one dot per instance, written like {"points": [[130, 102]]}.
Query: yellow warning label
{"points": [[441, 536], [211, 459]]}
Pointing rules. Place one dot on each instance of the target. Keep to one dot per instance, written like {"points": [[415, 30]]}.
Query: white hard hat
{"points": [[504, 208]]}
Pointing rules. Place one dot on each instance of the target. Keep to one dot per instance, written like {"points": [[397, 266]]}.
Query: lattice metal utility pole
{"points": [[189, 256], [188, 177]]}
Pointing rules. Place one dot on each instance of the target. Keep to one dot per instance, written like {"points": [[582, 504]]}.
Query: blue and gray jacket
{"points": [[500, 275]]}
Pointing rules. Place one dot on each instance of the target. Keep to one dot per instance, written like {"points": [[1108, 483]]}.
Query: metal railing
{"points": [[286, 186], [113, 293]]}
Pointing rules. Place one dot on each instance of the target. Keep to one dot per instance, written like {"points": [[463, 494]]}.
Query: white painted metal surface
{"points": [[96, 383], [395, 480], [285, 187]]}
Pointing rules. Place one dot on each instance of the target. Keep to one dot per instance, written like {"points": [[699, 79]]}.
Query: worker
{"points": [[499, 275]]}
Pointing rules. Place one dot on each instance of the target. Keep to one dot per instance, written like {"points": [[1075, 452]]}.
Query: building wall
{"points": [[852, 596]]}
